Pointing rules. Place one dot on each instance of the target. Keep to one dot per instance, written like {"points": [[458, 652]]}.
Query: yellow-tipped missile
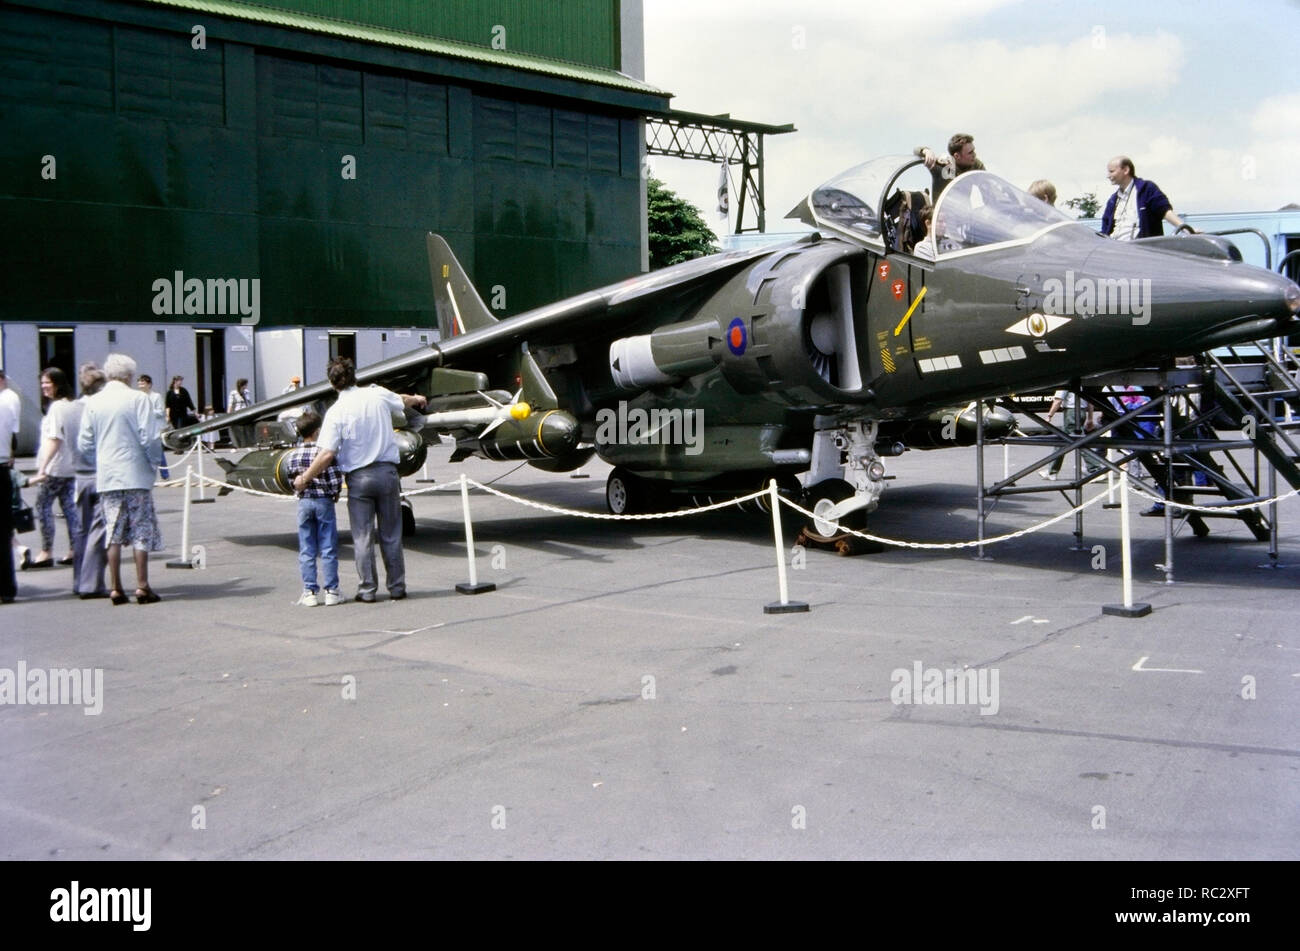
{"points": [[477, 416]]}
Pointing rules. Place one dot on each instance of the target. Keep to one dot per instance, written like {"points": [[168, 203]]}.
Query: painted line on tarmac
{"points": [[1160, 670]]}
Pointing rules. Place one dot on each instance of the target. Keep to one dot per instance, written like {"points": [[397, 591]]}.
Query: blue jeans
{"points": [[318, 533]]}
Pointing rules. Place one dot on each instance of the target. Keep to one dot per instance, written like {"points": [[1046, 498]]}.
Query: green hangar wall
{"points": [[310, 144], [237, 161]]}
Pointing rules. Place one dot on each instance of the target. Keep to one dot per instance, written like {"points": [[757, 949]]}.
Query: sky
{"points": [[1201, 94]]}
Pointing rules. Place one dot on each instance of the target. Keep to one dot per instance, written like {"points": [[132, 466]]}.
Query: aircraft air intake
{"points": [[828, 328]]}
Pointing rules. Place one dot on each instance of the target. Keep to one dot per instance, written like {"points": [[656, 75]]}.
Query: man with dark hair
{"points": [[1138, 206], [240, 398], [145, 383], [358, 433], [341, 373], [961, 158]]}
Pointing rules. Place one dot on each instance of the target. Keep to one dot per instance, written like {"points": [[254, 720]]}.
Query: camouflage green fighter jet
{"points": [[812, 361]]}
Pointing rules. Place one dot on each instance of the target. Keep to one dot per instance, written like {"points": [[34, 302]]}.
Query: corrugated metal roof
{"points": [[318, 24]]}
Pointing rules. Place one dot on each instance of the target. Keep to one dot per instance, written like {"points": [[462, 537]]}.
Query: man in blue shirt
{"points": [[1138, 206]]}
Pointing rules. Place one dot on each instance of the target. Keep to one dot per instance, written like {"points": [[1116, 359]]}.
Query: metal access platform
{"points": [[1216, 434]]}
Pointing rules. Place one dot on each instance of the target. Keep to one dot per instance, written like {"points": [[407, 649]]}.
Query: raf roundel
{"points": [[737, 337]]}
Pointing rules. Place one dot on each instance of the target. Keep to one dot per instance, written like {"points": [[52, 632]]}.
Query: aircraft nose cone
{"points": [[1181, 303], [1293, 298]]}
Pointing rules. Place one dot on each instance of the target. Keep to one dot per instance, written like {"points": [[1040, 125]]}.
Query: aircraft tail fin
{"points": [[460, 309]]}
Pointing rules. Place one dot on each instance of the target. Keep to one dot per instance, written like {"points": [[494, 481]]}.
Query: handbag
{"points": [[24, 519]]}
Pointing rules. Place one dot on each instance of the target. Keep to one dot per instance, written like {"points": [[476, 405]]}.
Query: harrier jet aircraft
{"points": [[816, 359]]}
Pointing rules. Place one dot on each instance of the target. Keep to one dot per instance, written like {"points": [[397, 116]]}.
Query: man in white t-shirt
{"points": [[145, 383], [358, 433], [10, 412]]}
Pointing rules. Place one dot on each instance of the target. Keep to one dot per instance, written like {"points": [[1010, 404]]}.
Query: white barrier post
{"points": [[474, 586], [785, 605], [184, 560], [1111, 478], [198, 451], [1128, 608]]}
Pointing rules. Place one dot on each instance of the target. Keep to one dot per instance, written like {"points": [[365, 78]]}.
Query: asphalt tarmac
{"points": [[622, 694]]}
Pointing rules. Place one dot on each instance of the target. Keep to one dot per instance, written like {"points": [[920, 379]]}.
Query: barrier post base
{"points": [[1119, 610], [480, 588], [785, 607], [180, 563], [201, 501]]}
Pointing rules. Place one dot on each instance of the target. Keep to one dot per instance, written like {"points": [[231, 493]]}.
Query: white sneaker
{"points": [[1047, 474], [307, 599], [332, 598]]}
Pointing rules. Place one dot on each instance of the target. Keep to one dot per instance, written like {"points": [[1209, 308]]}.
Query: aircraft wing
{"points": [[478, 337]]}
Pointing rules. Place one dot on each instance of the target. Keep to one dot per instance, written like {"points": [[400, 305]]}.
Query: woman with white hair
{"points": [[117, 429]]}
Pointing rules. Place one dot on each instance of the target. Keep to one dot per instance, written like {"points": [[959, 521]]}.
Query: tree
{"points": [[677, 230], [1086, 205]]}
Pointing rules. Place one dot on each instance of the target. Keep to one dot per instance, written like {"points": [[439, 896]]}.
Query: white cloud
{"points": [[877, 13], [1053, 100]]}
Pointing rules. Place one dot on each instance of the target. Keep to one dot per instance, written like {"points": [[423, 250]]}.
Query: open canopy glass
{"points": [[977, 210]]}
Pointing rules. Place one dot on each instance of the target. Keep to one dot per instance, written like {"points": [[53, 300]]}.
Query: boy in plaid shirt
{"points": [[318, 532]]}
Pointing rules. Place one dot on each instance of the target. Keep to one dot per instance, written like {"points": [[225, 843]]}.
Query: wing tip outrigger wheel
{"points": [[820, 499], [624, 493]]}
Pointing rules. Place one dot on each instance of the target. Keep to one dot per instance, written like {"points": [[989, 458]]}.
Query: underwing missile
{"points": [[266, 470]]}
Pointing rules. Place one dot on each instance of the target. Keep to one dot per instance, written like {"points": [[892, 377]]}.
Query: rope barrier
{"points": [[174, 464], [239, 488], [452, 487], [558, 510], [1213, 509], [1126, 609], [951, 545], [444, 487]]}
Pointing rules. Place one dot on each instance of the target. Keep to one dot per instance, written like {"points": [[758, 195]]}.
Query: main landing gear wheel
{"points": [[821, 498], [408, 520], [625, 494]]}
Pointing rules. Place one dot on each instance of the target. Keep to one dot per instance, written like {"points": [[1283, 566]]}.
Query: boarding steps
{"points": [[1246, 390]]}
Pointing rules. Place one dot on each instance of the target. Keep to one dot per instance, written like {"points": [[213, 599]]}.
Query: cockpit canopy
{"points": [[977, 210]]}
